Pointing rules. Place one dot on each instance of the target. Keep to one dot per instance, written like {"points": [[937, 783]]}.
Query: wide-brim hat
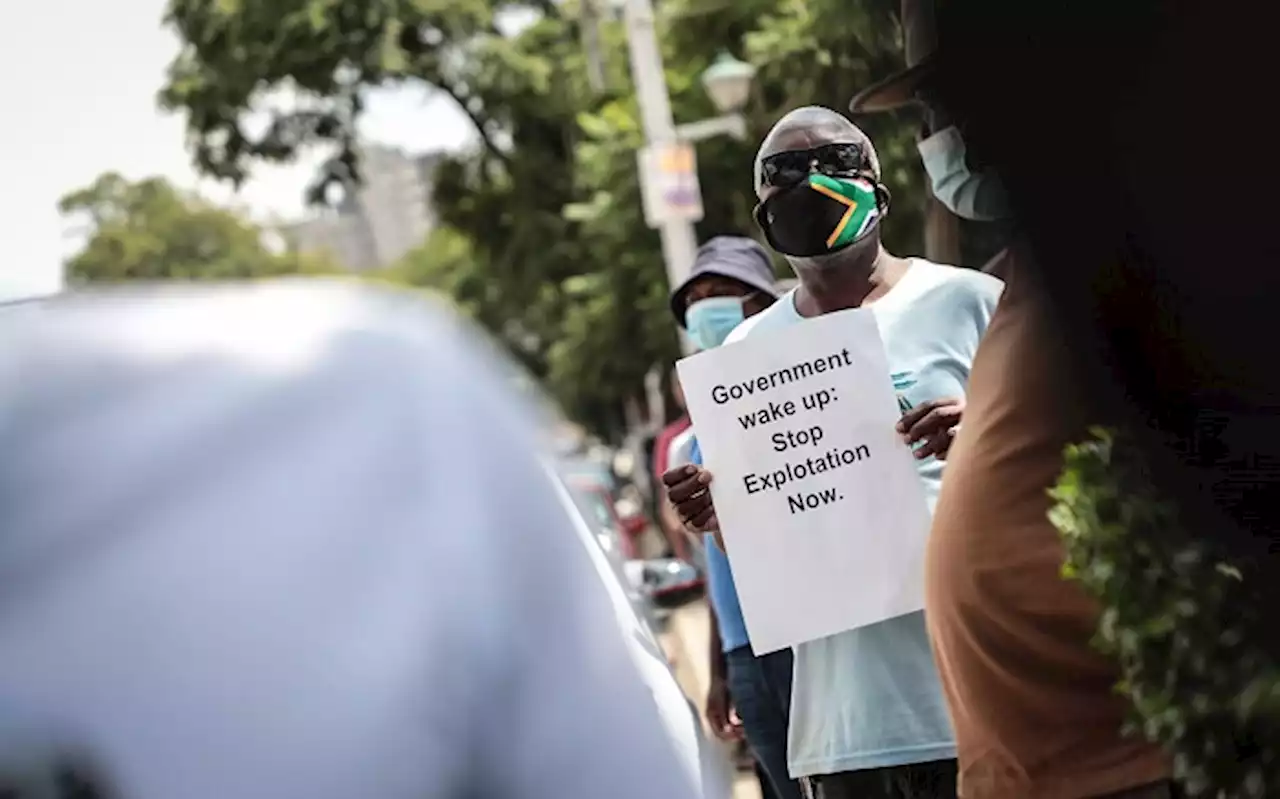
{"points": [[735, 257], [894, 92], [920, 35]]}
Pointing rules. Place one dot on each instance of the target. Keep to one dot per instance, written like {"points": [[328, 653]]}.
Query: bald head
{"points": [[809, 127]]}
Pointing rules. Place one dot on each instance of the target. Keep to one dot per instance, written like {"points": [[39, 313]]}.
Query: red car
{"points": [[604, 507]]}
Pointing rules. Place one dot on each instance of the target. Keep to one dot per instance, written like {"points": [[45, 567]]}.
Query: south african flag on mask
{"points": [[859, 199]]}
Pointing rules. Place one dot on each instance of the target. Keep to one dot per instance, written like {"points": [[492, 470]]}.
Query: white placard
{"points": [[822, 512]]}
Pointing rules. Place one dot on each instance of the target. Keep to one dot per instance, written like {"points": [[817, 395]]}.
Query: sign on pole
{"points": [[821, 509], [669, 183]]}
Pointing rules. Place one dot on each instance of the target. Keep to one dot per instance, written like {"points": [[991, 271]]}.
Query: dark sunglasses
{"points": [[790, 168]]}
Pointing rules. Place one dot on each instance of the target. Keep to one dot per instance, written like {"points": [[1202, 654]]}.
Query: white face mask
{"points": [[977, 197]]}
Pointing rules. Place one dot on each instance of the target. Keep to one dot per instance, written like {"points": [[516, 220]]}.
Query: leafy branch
{"points": [[1181, 619]]}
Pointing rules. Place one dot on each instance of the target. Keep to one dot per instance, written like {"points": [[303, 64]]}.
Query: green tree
{"points": [[150, 230], [558, 261]]}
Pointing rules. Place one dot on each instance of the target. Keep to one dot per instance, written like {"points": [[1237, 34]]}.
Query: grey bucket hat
{"points": [[735, 257]]}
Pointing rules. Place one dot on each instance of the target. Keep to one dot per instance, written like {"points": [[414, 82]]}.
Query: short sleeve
{"points": [[973, 301]]}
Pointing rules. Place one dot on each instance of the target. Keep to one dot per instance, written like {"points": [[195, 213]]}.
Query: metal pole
{"points": [[679, 240]]}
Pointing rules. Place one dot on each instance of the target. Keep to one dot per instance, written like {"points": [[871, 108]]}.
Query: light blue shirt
{"points": [[870, 697], [721, 588]]}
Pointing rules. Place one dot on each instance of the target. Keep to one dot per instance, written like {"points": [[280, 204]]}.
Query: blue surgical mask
{"points": [[980, 198], [710, 321]]}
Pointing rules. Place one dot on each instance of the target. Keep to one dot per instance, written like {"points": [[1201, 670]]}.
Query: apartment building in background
{"points": [[381, 220]]}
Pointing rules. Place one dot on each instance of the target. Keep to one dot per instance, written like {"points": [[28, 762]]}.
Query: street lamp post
{"points": [[727, 82], [679, 241]]}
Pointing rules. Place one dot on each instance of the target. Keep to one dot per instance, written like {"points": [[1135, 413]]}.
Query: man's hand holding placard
{"points": [[933, 422], [687, 489]]}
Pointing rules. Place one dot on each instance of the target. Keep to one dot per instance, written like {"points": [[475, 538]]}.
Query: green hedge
{"points": [[1180, 619]]}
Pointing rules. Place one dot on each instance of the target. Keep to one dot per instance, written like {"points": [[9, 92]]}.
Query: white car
{"points": [[681, 719]]}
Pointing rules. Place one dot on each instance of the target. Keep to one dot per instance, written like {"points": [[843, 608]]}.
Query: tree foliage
{"points": [[543, 239], [1182, 619], [150, 230]]}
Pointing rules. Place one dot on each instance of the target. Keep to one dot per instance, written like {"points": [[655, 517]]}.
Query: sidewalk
{"points": [[686, 639]]}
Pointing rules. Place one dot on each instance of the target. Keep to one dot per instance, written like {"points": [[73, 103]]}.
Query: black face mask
{"points": [[821, 215]]}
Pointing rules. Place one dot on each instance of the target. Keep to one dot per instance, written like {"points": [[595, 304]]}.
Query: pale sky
{"points": [[78, 80]]}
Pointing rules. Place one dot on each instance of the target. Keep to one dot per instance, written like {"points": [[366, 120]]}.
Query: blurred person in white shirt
{"points": [[251, 548]]}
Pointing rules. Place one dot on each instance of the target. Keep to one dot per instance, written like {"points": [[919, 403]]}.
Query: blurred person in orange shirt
{"points": [[1033, 705], [732, 281]]}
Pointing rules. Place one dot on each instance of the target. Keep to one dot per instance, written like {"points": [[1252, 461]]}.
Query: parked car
{"points": [[662, 580], [680, 717], [626, 508], [593, 503]]}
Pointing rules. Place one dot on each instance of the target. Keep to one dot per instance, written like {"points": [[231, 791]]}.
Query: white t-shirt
{"points": [[293, 541], [870, 697]]}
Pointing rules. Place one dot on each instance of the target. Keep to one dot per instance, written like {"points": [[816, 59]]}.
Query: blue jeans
{"points": [[761, 691]]}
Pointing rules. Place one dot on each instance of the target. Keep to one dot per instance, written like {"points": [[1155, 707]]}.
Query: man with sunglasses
{"points": [[868, 718], [731, 281]]}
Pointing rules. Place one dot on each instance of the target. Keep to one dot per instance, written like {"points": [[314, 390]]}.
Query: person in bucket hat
{"points": [[732, 280], [735, 269]]}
